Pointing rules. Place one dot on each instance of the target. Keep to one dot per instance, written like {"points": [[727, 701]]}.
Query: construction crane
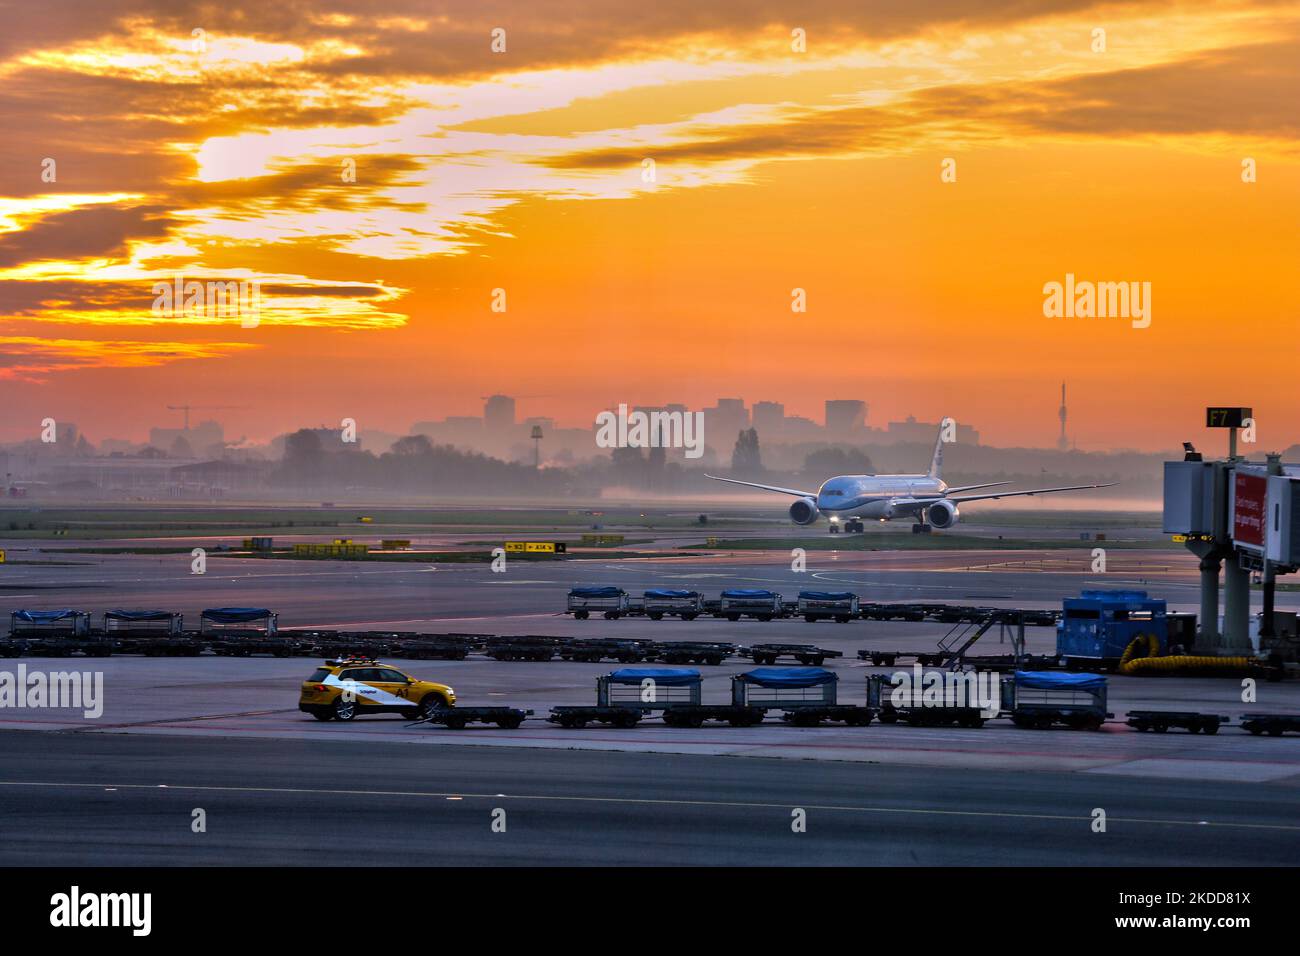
{"points": [[186, 410]]}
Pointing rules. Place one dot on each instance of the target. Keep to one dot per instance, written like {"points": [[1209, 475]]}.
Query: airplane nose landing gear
{"points": [[920, 529]]}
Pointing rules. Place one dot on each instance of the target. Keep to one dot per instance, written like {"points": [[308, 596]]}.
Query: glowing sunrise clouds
{"points": [[380, 171]]}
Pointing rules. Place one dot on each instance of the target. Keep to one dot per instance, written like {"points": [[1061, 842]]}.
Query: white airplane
{"points": [[923, 498]]}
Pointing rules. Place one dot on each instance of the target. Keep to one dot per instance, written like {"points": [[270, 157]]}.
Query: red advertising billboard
{"points": [[1249, 506]]}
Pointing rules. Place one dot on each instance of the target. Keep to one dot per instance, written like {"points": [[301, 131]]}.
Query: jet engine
{"points": [[942, 514], [804, 511]]}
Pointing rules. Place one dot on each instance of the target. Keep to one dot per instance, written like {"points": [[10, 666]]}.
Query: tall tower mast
{"points": [[1063, 443]]}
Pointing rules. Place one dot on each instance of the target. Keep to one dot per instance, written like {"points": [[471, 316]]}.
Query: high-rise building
{"points": [[724, 421], [923, 433], [845, 417], [499, 413], [769, 419]]}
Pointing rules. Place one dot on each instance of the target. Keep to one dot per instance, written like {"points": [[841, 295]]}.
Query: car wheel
{"points": [[345, 709], [430, 705]]}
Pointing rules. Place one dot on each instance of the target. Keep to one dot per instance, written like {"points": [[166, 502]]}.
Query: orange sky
{"points": [[774, 170]]}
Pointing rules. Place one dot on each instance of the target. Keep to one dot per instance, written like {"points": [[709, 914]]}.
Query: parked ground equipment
{"points": [[1039, 699], [804, 653], [601, 648], [669, 602], [1098, 626], [757, 603], [625, 695], [691, 652], [528, 647], [1272, 724], [609, 601], [455, 718], [840, 606], [152, 633], [909, 703], [1161, 720]]}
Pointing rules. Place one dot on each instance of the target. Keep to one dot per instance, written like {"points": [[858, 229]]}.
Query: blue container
{"points": [[1099, 625]]}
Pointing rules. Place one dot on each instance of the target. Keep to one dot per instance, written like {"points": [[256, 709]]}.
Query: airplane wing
{"points": [[990, 484], [753, 484], [1037, 491]]}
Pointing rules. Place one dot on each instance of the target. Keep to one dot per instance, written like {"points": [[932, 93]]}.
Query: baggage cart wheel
{"points": [[510, 723], [580, 615], [454, 722], [1210, 727]]}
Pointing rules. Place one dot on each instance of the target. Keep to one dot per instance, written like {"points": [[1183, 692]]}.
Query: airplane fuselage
{"points": [[869, 496]]}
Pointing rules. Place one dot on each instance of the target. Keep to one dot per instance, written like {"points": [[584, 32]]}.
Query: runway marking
{"points": [[646, 801]]}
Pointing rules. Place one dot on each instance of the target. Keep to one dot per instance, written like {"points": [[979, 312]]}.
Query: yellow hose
{"points": [[1142, 657], [1142, 647], [1184, 662]]}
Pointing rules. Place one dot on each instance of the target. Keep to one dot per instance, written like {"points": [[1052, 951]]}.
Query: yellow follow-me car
{"points": [[343, 689]]}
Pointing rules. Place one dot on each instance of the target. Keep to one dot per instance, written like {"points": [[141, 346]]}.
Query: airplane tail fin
{"points": [[936, 460]]}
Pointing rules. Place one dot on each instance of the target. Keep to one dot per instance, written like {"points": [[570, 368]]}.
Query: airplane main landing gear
{"points": [[854, 526], [920, 529]]}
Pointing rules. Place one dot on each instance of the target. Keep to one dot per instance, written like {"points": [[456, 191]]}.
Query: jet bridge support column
{"points": [[1210, 564], [1236, 609]]}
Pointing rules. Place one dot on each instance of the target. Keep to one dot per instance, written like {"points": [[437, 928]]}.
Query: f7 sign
{"points": [[1249, 508]]}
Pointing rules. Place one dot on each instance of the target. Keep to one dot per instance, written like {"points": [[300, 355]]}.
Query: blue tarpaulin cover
{"points": [[1053, 680], [46, 617], [660, 675], [595, 592], [235, 615], [670, 593], [788, 676], [748, 593], [827, 595], [120, 615]]}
